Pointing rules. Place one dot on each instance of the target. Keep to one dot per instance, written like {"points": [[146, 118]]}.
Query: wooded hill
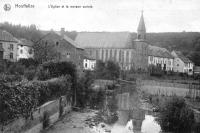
{"points": [[186, 42]]}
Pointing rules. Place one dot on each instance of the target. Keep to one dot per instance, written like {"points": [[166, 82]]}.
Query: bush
{"points": [[29, 74], [176, 116], [28, 62], [16, 69], [17, 100], [53, 88]]}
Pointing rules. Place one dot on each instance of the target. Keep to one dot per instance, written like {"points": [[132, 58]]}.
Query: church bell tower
{"points": [[141, 30]]}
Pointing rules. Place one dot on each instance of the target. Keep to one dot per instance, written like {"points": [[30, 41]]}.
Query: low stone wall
{"points": [[169, 88], [35, 125]]}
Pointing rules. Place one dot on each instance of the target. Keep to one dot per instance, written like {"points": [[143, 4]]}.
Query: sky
{"points": [[106, 15]]}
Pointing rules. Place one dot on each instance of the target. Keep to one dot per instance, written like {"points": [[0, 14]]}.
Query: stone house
{"points": [[25, 49], [182, 64], [9, 44], [64, 48]]}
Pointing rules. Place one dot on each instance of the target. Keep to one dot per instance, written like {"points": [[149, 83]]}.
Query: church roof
{"points": [[6, 36], [104, 39], [159, 52], [141, 26]]}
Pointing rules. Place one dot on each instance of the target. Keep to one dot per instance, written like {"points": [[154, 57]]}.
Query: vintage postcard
{"points": [[99, 66]]}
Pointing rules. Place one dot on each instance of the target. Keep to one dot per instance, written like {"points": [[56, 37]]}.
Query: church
{"points": [[119, 47]]}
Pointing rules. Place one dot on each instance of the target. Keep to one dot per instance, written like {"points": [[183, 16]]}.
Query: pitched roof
{"points": [[65, 37], [104, 39], [6, 36], [25, 42], [182, 57], [159, 52]]}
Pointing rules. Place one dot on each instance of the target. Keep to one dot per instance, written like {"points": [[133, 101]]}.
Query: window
{"points": [[68, 55], [21, 51], [169, 62], [1, 45], [30, 51], [139, 36], [11, 55], [85, 65], [57, 43], [11, 47], [151, 58]]}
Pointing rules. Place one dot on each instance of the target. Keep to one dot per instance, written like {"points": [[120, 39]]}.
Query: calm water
{"points": [[123, 125]]}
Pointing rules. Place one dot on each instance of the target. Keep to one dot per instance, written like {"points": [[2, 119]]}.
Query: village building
{"points": [[160, 57], [25, 49], [119, 47], [9, 44], [64, 48], [196, 70], [182, 64], [89, 63]]}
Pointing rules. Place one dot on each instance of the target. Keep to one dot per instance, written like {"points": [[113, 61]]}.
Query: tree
{"points": [[108, 70], [176, 116]]}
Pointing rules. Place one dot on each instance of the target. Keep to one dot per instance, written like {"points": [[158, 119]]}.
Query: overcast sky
{"points": [[107, 15]]}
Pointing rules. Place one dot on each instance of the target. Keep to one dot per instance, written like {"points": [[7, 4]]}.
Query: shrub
{"points": [[29, 74], [16, 69], [175, 116], [28, 62], [53, 88], [17, 100]]}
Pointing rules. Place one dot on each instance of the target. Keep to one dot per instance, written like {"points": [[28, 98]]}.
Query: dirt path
{"points": [[73, 122]]}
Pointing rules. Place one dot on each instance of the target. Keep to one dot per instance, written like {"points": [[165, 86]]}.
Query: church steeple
{"points": [[141, 31]]}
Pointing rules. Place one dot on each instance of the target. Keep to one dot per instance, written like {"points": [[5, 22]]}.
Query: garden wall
{"points": [[54, 108]]}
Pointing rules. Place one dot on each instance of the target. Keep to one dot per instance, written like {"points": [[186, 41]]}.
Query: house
{"points": [[119, 47], [196, 70], [182, 64], [64, 48], [89, 63], [25, 49], [160, 57], [9, 44]]}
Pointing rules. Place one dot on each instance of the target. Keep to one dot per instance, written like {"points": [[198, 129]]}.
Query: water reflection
{"points": [[126, 124], [149, 125]]}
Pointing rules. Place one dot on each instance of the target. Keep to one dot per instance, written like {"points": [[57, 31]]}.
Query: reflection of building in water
{"points": [[129, 106]]}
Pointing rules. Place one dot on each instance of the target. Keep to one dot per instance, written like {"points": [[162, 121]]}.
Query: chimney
{"points": [[62, 32]]}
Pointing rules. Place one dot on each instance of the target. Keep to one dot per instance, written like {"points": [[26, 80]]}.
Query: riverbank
{"points": [[79, 122]]}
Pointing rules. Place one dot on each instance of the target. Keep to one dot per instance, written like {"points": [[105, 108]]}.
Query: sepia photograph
{"points": [[99, 66]]}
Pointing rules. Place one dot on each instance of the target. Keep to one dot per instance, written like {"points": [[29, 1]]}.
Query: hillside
{"points": [[187, 42]]}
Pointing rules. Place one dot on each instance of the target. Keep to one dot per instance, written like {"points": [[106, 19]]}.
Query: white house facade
{"points": [[182, 64], [25, 49], [160, 57], [89, 64]]}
